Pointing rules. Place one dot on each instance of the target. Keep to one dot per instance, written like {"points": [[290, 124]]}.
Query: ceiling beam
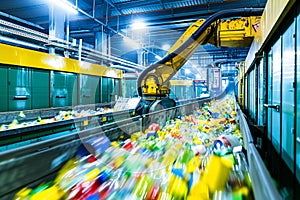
{"points": [[113, 5], [162, 4], [20, 20]]}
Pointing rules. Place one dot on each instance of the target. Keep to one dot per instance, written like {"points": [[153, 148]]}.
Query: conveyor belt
{"points": [[15, 135], [60, 149], [32, 164]]}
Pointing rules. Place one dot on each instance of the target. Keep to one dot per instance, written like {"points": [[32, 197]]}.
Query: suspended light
{"points": [[138, 24], [198, 76], [66, 5], [158, 57], [187, 71], [166, 47]]}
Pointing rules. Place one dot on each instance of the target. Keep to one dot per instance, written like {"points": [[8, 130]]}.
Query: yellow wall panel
{"points": [[273, 12], [9, 55], [97, 70], [29, 58]]}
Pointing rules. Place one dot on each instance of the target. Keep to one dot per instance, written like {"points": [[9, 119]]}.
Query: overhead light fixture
{"points": [[66, 5], [187, 71], [158, 57], [138, 24], [166, 47], [198, 76]]}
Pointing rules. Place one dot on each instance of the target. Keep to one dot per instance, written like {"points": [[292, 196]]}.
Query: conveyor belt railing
{"points": [[244, 127], [262, 183], [8, 117], [30, 132], [263, 186]]}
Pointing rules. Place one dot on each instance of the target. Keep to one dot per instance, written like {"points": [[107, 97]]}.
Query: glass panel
{"points": [[19, 88], [276, 94], [246, 93], [172, 92], [250, 94], [129, 88], [104, 90], [253, 92], [288, 103], [190, 92], [72, 89], [117, 88], [178, 92], [298, 102], [97, 92], [270, 80], [59, 91], [261, 94], [88, 89], [110, 88], [254, 96], [249, 85], [3, 89], [40, 89]]}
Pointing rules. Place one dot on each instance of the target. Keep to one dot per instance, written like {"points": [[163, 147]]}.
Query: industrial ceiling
{"points": [[165, 19]]}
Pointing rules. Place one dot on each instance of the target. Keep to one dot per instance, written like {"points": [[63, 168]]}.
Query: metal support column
{"points": [[102, 42], [56, 24], [140, 56]]}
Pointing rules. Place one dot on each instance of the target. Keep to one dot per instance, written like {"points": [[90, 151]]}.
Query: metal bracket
{"points": [[60, 96], [274, 106], [20, 97]]}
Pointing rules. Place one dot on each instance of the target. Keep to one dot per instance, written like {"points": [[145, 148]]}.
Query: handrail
{"points": [[262, 184], [41, 38], [244, 127]]}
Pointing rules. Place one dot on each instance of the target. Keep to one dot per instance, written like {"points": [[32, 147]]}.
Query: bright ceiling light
{"points": [[66, 5], [158, 57], [138, 24], [198, 76], [187, 71], [166, 47]]}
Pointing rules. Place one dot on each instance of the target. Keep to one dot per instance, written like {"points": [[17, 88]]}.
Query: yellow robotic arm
{"points": [[229, 28]]}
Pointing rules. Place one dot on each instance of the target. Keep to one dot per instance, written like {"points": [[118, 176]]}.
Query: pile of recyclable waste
{"points": [[61, 116], [199, 156]]}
